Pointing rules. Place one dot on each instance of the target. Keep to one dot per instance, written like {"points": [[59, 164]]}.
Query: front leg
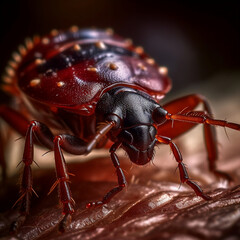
{"points": [[77, 146], [26, 186], [121, 179], [71, 144], [39, 131], [182, 169]]}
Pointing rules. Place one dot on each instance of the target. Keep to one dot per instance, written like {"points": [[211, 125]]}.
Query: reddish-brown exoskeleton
{"points": [[93, 86]]}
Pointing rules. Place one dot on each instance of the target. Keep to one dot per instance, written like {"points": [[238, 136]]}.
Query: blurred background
{"points": [[196, 41]]}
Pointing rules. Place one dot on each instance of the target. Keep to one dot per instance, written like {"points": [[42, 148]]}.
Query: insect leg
{"points": [[40, 133], [44, 136], [195, 117], [73, 145], [183, 106], [18, 122], [182, 169], [121, 179], [63, 183]]}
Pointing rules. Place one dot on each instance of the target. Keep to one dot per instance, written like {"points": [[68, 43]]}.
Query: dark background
{"points": [[194, 40]]}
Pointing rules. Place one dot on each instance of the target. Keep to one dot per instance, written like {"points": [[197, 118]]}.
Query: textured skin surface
{"points": [[153, 206]]}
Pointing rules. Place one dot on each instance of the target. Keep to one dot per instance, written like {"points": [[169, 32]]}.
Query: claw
{"points": [[205, 197], [65, 222]]}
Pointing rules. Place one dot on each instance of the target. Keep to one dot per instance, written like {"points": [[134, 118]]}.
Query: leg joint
{"points": [[58, 139]]}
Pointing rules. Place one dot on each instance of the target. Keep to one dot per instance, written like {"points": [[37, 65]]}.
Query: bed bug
{"points": [[78, 89]]}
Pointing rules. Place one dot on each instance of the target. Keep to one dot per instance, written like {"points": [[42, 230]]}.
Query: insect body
{"points": [[84, 87]]}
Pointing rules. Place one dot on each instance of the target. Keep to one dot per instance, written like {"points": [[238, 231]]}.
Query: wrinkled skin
{"points": [[153, 206]]}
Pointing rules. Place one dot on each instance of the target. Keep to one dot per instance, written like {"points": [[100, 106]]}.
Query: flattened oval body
{"points": [[72, 69]]}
